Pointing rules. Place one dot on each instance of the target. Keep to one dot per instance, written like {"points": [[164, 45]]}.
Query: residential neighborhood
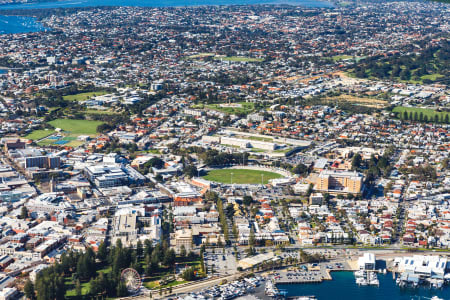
{"points": [[197, 143]]}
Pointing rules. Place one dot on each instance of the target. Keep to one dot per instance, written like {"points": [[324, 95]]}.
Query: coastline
{"points": [[161, 3]]}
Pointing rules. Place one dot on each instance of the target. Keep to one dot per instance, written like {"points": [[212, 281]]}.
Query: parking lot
{"points": [[220, 263]]}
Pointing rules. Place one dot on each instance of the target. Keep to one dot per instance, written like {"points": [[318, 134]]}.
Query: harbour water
{"points": [[13, 24], [161, 3], [17, 24], [343, 286]]}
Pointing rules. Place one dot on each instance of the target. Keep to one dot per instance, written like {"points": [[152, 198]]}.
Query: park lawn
{"points": [[241, 176], [200, 55], [153, 151], [430, 113], [152, 282], [70, 288], [283, 150], [153, 285], [46, 142], [39, 134], [77, 127], [432, 77], [85, 286], [99, 112], [341, 57], [258, 138], [246, 108], [258, 150], [238, 58], [84, 96], [74, 144]]}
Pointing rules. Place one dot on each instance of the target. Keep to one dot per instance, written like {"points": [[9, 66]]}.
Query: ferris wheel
{"points": [[132, 280]]}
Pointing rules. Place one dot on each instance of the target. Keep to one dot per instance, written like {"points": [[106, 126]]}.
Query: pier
{"points": [[314, 274]]}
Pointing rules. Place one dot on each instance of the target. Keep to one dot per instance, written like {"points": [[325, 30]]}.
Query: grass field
{"points": [[246, 108], [77, 127], [71, 129], [259, 138], [74, 144], [39, 134], [84, 96], [99, 112], [225, 58], [152, 282], [200, 55], [432, 77], [341, 57], [85, 286], [238, 58], [241, 176], [153, 285], [430, 113]]}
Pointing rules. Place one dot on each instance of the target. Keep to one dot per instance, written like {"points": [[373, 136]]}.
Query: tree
{"points": [[182, 251], [155, 162], [356, 161], [102, 252], [24, 212], [190, 171], [169, 258], [247, 200], [104, 128], [28, 289], [310, 190], [122, 289], [251, 238], [188, 274], [139, 249], [78, 291], [300, 169]]}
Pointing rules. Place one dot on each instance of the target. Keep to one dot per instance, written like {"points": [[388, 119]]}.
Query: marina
{"points": [[19, 24], [345, 281], [366, 278]]}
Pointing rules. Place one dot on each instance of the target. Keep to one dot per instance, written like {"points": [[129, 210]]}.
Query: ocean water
{"points": [[162, 3], [15, 24], [343, 286]]}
